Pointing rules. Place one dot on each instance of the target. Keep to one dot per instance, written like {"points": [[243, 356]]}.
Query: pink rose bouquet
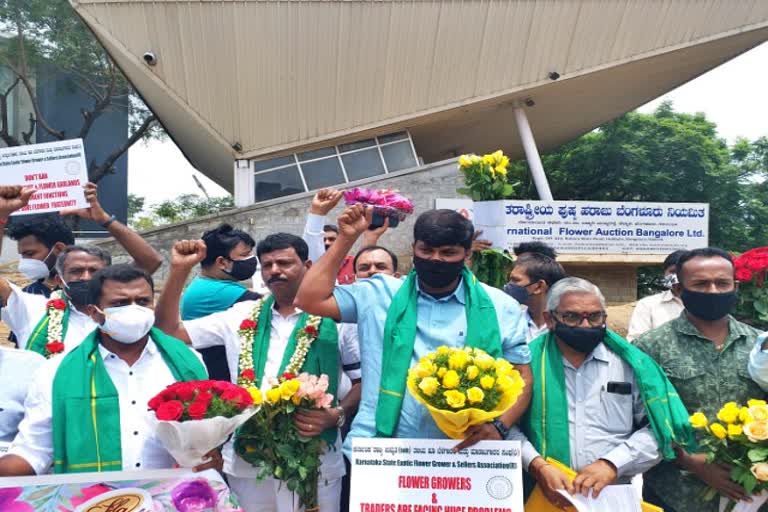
{"points": [[386, 203]]}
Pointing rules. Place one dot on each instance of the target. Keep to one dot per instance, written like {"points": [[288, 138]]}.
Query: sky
{"points": [[734, 96]]}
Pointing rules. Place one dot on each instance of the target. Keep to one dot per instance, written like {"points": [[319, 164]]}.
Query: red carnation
{"points": [[247, 324], [59, 304], [231, 395], [248, 374], [156, 402], [204, 396], [186, 391], [311, 329], [289, 375], [54, 347], [170, 411], [744, 274], [197, 410]]}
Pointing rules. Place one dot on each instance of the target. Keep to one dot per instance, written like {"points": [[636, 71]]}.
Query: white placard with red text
{"points": [[56, 169], [424, 475]]}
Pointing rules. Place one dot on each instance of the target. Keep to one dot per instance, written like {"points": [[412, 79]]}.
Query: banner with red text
{"points": [[56, 169], [425, 475]]}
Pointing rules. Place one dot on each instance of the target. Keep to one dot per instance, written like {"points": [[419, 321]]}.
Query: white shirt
{"points": [[534, 331], [25, 310], [221, 329], [135, 385], [653, 311], [758, 363], [15, 368], [314, 236]]}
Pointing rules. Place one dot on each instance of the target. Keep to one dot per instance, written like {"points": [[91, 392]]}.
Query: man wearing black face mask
{"points": [[599, 405], [705, 353], [439, 303]]}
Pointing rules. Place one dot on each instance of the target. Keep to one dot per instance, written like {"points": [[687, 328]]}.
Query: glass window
{"points": [[322, 173], [398, 156], [318, 153], [273, 162], [362, 164], [278, 183], [392, 137], [357, 145]]}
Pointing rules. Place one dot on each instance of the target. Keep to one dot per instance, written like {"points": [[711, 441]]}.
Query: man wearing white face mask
{"points": [[86, 411]]}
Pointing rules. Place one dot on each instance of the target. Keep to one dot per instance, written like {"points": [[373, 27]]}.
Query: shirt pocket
{"points": [[617, 412]]}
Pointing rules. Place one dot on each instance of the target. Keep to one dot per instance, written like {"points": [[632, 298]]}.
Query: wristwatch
{"points": [[501, 428], [342, 417]]}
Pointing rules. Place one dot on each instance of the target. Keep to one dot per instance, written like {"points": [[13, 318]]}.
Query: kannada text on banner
{"points": [[590, 227], [56, 169], [425, 475]]}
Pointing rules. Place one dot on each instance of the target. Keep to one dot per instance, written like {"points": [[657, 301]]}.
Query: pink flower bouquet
{"points": [[386, 204]]}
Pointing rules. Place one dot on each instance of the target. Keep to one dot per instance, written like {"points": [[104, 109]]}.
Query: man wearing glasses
{"points": [[599, 405]]}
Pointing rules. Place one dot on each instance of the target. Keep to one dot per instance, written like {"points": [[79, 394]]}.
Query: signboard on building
{"points": [[56, 169], [589, 227], [425, 475]]}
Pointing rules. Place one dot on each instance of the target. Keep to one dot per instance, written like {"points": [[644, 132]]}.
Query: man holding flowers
{"points": [[705, 353], [400, 322], [262, 339], [86, 411], [600, 405]]}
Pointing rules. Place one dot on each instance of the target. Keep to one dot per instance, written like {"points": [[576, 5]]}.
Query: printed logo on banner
{"points": [[499, 487]]}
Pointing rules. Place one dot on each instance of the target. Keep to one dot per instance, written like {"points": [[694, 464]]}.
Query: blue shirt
{"points": [[440, 322], [205, 296]]}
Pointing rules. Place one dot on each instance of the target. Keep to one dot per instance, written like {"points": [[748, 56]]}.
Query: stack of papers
{"points": [[611, 499]]}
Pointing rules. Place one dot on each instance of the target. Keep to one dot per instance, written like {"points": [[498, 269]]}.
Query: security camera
{"points": [[150, 58]]}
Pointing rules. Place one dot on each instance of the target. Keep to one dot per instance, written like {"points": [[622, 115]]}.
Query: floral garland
{"points": [[247, 331], [55, 309]]}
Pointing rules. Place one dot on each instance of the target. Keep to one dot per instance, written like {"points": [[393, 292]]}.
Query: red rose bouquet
{"points": [[192, 418], [751, 270]]}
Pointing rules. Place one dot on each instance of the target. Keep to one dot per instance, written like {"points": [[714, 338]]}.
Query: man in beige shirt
{"points": [[655, 310]]}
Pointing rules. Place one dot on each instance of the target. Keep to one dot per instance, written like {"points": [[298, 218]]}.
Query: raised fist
{"points": [[354, 220], [325, 200], [14, 197], [187, 253]]}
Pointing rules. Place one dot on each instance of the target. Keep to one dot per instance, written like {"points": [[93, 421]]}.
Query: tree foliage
{"points": [[47, 40], [184, 207]]}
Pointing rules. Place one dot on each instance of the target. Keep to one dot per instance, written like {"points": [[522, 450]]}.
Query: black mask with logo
{"points": [[437, 274], [580, 339], [78, 292], [243, 269], [708, 306]]}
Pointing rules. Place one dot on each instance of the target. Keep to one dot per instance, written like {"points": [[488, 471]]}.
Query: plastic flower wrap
{"points": [[192, 418], [738, 436], [462, 387], [271, 442], [385, 202]]}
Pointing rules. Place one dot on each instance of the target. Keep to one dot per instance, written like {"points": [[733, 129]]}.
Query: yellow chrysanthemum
{"points": [[487, 382], [289, 388], [734, 430], [698, 420], [458, 360], [451, 380], [472, 372], [429, 386], [256, 395], [455, 399], [475, 395], [273, 395], [718, 430]]}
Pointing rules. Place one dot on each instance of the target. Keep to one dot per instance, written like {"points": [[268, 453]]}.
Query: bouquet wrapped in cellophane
{"points": [[739, 438], [462, 387], [386, 203]]}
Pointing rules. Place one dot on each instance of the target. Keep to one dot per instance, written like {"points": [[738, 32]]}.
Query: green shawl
{"points": [[400, 336], [86, 407], [39, 337], [322, 358], [546, 421]]}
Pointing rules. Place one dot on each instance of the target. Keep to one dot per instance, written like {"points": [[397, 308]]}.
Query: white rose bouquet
{"points": [[738, 437]]}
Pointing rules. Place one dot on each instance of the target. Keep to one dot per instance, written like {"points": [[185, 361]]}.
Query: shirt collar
{"points": [[458, 293], [668, 296], [600, 353], [682, 325], [150, 349], [296, 311]]}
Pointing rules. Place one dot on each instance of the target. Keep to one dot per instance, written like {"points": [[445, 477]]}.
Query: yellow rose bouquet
{"points": [[462, 387], [738, 437]]}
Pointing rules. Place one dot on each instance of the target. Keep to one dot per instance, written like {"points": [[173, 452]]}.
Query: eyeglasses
{"points": [[595, 319]]}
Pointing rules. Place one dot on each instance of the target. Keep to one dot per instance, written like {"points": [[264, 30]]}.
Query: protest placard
{"points": [[425, 475], [589, 227], [56, 169]]}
